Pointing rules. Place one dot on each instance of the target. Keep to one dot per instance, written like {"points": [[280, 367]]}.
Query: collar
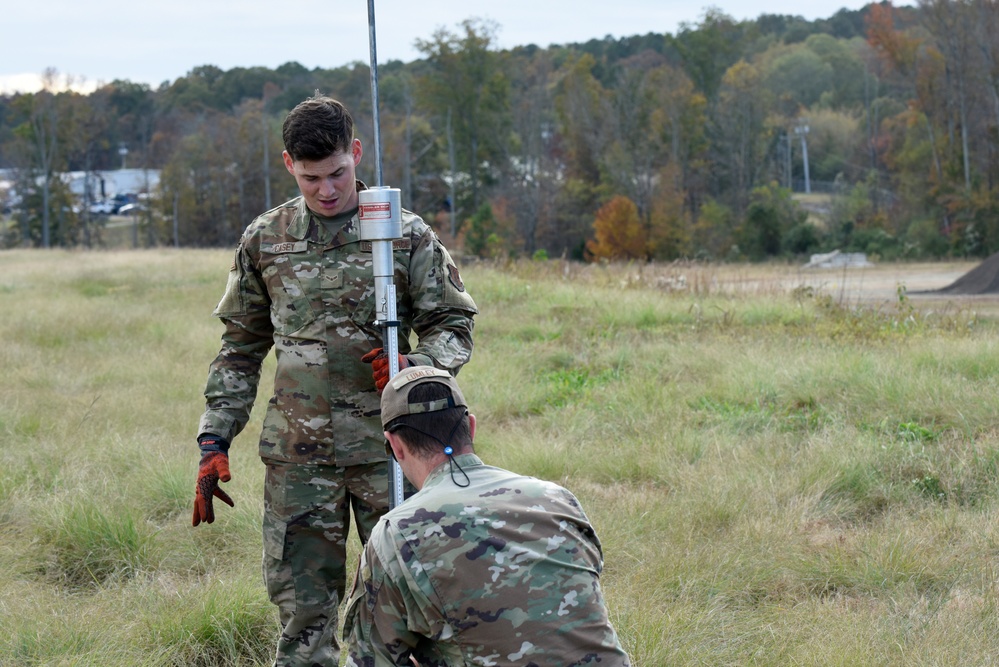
{"points": [[299, 227], [306, 224], [337, 231], [443, 471]]}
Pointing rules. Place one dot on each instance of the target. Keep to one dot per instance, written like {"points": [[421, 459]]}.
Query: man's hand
{"points": [[380, 366], [214, 467]]}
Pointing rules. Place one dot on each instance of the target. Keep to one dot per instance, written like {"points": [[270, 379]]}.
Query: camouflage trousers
{"points": [[306, 524]]}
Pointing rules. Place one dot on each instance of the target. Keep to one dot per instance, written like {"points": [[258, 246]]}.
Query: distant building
{"points": [[101, 184], [107, 184]]}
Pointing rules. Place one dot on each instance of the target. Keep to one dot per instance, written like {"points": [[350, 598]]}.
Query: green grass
{"points": [[777, 476]]}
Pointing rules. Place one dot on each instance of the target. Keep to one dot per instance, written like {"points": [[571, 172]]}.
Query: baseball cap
{"points": [[395, 396]]}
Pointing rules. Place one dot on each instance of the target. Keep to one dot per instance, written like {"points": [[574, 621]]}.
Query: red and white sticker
{"points": [[376, 211]]}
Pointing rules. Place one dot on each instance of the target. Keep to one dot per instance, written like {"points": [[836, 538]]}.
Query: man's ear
{"points": [[395, 442], [356, 151]]}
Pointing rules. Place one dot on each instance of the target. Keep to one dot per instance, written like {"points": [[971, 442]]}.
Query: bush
{"points": [[802, 239]]}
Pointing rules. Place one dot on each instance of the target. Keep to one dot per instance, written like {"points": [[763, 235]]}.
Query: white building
{"points": [[107, 184], [102, 184]]}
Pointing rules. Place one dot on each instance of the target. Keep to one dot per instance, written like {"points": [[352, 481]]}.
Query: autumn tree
{"points": [[201, 177], [708, 49], [617, 232], [668, 231], [951, 24], [45, 113], [490, 233], [846, 90], [414, 156], [467, 91], [741, 133], [713, 235], [86, 148], [581, 106], [636, 130], [533, 168]]}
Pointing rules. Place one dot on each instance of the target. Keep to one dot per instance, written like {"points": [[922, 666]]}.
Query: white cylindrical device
{"points": [[380, 210], [380, 214]]}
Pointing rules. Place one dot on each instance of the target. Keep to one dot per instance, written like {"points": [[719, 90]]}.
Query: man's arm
{"points": [[443, 310], [233, 376], [379, 616]]}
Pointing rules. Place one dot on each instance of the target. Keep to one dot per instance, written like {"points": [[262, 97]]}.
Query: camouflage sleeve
{"points": [[379, 627], [442, 308], [235, 373]]}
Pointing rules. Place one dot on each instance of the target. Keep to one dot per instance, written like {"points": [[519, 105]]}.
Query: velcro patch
{"points": [[332, 278], [455, 277], [286, 247], [397, 244]]}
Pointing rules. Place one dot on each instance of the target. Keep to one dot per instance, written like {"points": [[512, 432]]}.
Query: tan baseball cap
{"points": [[395, 396]]}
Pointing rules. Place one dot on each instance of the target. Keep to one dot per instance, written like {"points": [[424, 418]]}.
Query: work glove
{"points": [[214, 467], [380, 366]]}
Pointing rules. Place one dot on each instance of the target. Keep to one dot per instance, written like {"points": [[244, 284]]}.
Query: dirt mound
{"points": [[983, 279]]}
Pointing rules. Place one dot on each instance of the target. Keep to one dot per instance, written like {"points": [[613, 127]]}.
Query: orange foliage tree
{"points": [[618, 232]]}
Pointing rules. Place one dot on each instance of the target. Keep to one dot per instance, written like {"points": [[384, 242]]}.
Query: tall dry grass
{"points": [[779, 475]]}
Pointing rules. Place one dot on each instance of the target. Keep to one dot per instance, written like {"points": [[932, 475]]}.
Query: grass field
{"points": [[781, 472]]}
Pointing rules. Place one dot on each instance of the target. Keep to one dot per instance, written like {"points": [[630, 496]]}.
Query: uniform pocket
{"points": [[274, 536], [275, 525], [291, 315], [294, 280]]}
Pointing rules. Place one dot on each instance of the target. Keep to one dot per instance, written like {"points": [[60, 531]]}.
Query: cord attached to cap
{"points": [[448, 449]]}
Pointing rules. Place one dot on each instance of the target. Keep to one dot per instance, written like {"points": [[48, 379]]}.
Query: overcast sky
{"points": [[152, 42]]}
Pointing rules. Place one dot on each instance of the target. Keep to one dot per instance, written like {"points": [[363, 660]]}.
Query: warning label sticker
{"points": [[376, 211]]}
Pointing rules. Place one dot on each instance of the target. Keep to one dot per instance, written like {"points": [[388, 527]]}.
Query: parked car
{"points": [[131, 209], [102, 208], [120, 200]]}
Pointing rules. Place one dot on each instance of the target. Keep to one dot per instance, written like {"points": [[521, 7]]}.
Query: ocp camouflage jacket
{"points": [[503, 571], [309, 292]]}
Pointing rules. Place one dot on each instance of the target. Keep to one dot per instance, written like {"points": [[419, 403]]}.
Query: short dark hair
{"points": [[317, 128], [427, 433]]}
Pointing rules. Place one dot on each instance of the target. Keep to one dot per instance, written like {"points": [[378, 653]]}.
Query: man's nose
{"points": [[327, 186]]}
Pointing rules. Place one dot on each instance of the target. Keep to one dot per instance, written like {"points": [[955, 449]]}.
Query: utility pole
{"points": [[801, 129], [785, 141]]}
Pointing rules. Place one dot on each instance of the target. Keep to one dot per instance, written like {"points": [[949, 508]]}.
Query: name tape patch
{"points": [[288, 246], [400, 381]]}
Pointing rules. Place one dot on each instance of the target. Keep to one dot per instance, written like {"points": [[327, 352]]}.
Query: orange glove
{"points": [[380, 366], [214, 467]]}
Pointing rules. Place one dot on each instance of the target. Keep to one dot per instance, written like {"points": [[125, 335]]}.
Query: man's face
{"points": [[328, 185]]}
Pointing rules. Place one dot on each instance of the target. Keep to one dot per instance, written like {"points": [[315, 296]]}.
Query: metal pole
{"points": [[374, 91], [380, 212], [381, 222]]}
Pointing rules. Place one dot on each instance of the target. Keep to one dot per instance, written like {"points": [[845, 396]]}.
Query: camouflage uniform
{"points": [[502, 572], [304, 285]]}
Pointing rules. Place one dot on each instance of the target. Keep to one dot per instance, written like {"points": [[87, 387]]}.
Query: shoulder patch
{"points": [[455, 277]]}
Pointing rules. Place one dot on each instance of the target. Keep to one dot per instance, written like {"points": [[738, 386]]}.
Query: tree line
{"points": [[650, 147]]}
